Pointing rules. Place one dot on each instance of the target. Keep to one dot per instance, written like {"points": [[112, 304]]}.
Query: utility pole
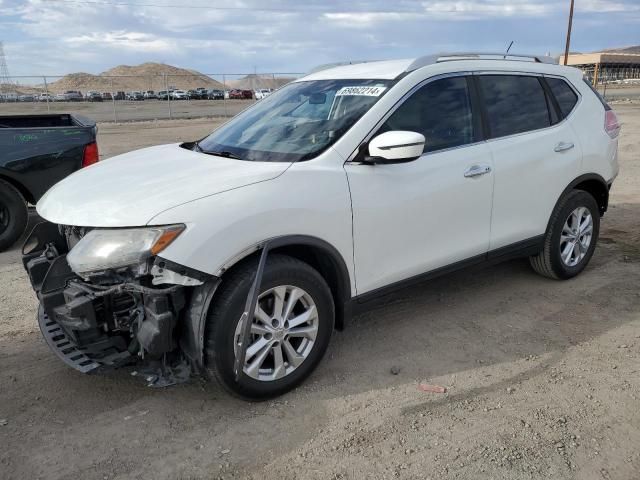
{"points": [[566, 48]]}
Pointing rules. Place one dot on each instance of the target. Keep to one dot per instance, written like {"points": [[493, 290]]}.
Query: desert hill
{"points": [[147, 76], [631, 49]]}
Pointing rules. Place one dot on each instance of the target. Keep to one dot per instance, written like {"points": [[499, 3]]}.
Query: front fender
{"points": [[224, 227]]}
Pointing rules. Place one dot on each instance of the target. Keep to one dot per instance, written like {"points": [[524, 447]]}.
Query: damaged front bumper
{"points": [[118, 318]]}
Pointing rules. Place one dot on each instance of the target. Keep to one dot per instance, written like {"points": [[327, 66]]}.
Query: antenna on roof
{"points": [[508, 48]]}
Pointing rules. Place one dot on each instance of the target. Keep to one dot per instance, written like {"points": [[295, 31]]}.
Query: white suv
{"points": [[237, 256]]}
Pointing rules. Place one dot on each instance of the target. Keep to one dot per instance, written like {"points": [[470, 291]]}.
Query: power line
{"points": [[309, 8], [158, 5]]}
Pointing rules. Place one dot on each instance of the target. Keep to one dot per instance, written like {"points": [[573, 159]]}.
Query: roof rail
{"points": [[448, 57]]}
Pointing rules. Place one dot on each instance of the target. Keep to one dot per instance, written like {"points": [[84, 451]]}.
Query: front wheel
{"points": [[290, 331], [13, 215], [571, 237]]}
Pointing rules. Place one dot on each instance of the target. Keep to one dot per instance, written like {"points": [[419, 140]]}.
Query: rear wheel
{"points": [[13, 215], [571, 238], [290, 331]]}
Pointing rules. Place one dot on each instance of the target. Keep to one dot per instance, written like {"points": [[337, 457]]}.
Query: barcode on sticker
{"points": [[363, 91]]}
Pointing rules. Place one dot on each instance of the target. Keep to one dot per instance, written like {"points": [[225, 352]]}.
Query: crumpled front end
{"points": [[116, 316]]}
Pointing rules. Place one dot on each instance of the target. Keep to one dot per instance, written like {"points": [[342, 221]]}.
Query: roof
{"points": [[391, 69], [603, 57], [382, 70]]}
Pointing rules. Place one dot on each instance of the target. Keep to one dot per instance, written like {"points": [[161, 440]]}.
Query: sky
{"points": [[56, 37]]}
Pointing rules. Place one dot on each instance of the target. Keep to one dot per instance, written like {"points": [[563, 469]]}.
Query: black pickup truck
{"points": [[37, 151]]}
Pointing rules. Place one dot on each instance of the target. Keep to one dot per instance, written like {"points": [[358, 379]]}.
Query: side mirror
{"points": [[395, 147]]}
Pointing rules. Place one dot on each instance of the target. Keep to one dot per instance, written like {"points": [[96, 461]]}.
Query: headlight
{"points": [[115, 248]]}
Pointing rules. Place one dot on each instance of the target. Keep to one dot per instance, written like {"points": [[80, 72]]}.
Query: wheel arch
{"points": [[595, 185], [591, 183], [24, 191], [318, 253]]}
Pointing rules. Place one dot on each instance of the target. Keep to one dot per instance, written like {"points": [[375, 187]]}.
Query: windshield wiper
{"points": [[223, 153]]}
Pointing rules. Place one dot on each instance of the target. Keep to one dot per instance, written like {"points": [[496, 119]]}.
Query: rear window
{"points": [[514, 103], [564, 94]]}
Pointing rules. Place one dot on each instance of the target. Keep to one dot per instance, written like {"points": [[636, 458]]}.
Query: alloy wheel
{"points": [[283, 333], [576, 236]]}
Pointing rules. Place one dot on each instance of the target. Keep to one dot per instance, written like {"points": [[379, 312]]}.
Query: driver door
{"points": [[423, 215]]}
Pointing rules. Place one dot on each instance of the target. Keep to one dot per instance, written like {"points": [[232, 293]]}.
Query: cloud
{"points": [[450, 10], [54, 36], [608, 6], [476, 9], [135, 41], [367, 19]]}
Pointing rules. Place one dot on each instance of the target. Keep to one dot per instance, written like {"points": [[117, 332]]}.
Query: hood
{"points": [[129, 190]]}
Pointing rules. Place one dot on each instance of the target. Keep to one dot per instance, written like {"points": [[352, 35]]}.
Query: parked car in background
{"points": [[37, 151], [107, 96], [45, 97], [135, 96], [215, 95], [74, 96], [61, 97], [27, 97], [179, 95], [8, 97], [194, 94], [235, 94], [399, 171], [150, 95], [261, 93], [120, 96], [93, 96], [164, 95]]}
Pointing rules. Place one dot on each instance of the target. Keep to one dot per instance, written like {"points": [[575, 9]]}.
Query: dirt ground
{"points": [[542, 377]]}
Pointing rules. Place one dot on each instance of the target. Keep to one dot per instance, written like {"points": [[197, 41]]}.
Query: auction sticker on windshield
{"points": [[362, 91]]}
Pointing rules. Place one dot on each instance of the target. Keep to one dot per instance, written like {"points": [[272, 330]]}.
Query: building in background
{"points": [[607, 67]]}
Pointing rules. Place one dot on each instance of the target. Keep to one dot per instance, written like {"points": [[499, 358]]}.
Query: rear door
{"points": [[535, 152]]}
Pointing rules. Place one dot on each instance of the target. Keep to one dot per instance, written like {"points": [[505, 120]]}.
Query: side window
{"points": [[440, 110], [564, 94], [514, 103]]}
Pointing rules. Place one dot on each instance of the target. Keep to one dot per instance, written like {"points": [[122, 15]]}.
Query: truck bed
{"points": [[44, 121]]}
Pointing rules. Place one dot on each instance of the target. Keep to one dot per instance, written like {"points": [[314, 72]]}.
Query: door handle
{"points": [[477, 170], [562, 146]]}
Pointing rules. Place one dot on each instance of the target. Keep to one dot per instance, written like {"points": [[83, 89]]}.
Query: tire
{"points": [[13, 215], [553, 261], [280, 273]]}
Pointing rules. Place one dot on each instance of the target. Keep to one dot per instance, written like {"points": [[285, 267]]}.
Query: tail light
{"points": [[90, 155], [611, 124]]}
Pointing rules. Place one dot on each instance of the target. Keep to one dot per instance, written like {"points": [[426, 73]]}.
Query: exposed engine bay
{"points": [[115, 317]]}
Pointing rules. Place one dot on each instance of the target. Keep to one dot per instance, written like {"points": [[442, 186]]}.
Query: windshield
{"points": [[297, 122]]}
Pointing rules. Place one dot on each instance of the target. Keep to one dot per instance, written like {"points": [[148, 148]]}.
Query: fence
{"points": [[118, 98]]}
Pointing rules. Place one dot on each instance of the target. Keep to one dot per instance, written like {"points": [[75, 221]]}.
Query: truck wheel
{"points": [[571, 237], [13, 215], [290, 331]]}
